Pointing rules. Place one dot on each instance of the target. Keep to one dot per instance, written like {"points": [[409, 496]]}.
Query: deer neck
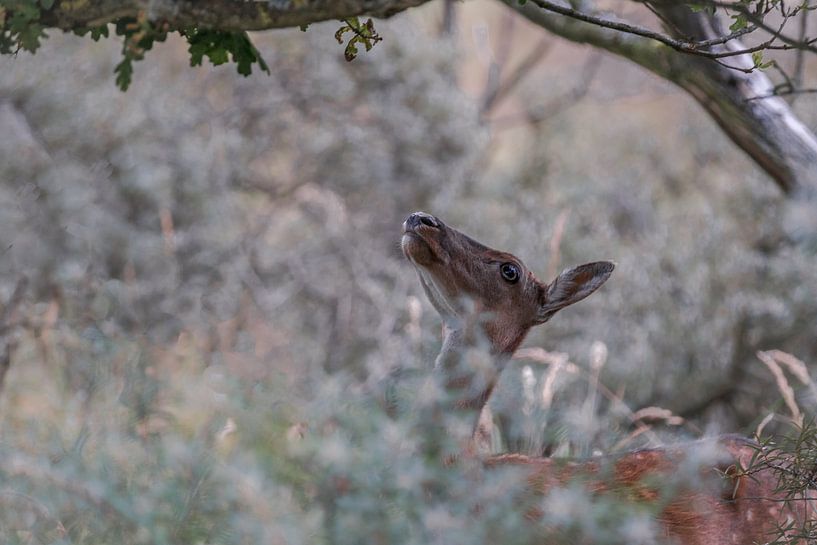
{"points": [[471, 359], [488, 300]]}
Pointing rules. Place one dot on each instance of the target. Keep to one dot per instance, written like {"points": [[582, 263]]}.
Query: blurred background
{"points": [[204, 298]]}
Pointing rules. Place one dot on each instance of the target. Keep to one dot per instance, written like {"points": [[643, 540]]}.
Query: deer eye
{"points": [[509, 272]]}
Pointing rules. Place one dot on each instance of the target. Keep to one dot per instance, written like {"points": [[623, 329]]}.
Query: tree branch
{"points": [[502, 89], [684, 46], [757, 20], [767, 130], [217, 14], [687, 54]]}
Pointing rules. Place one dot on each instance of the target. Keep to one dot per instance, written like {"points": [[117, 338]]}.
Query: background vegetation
{"points": [[205, 304]]}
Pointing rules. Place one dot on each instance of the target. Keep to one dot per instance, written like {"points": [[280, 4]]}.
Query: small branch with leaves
{"points": [[362, 34], [141, 25]]}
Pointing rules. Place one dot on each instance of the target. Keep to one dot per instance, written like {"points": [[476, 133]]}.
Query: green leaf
{"points": [[218, 55], [6, 43], [218, 45], [698, 8], [350, 53], [739, 23], [197, 52], [341, 31], [364, 34], [28, 35], [26, 11], [124, 73], [99, 32], [47, 4]]}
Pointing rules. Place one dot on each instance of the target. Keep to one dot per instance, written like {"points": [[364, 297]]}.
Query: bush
{"points": [[217, 307]]}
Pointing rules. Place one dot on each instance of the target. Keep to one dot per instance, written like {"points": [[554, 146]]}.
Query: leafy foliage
{"points": [[362, 34], [21, 30], [218, 45], [139, 37], [791, 457], [19, 26]]}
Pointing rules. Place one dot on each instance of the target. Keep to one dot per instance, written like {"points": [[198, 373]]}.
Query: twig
{"points": [[783, 94], [799, 57], [683, 46], [668, 23], [806, 45], [498, 62], [560, 103], [556, 242], [6, 325], [449, 22], [14, 301], [537, 53]]}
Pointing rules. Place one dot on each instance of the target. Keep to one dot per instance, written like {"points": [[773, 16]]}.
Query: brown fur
{"points": [[723, 506]]}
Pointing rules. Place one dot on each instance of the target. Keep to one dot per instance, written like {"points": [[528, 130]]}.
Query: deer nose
{"points": [[421, 218]]}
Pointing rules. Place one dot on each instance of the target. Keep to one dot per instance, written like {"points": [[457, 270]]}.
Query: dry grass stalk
{"points": [[796, 367], [556, 242], [415, 311], [558, 361], [658, 413], [783, 386], [769, 417], [598, 357]]}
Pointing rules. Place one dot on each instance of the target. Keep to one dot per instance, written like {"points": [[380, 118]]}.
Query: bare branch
{"points": [[560, 103], [684, 46], [799, 58], [536, 54], [7, 343], [791, 92], [759, 21], [449, 22]]}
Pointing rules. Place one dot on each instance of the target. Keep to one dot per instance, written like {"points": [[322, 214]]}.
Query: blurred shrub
{"points": [[215, 272], [706, 275], [164, 203]]}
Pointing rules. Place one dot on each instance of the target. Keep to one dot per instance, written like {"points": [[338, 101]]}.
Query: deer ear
{"points": [[572, 286]]}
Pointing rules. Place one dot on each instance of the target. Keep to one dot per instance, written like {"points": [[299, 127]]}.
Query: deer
{"points": [[489, 298]]}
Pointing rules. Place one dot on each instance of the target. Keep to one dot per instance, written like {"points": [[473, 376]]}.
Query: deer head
{"points": [[733, 497], [468, 283]]}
